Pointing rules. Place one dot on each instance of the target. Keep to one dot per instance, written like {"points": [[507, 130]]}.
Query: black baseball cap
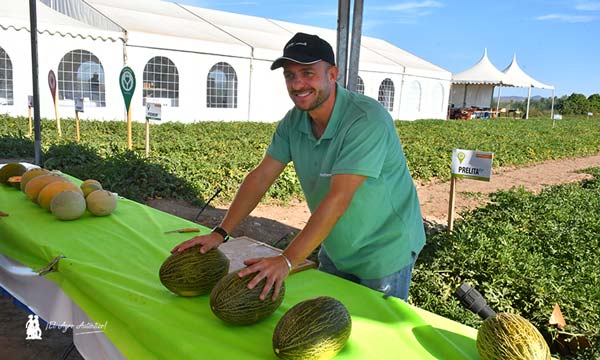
{"points": [[305, 49]]}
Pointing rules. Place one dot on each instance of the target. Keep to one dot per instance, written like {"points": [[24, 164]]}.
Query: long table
{"points": [[110, 271]]}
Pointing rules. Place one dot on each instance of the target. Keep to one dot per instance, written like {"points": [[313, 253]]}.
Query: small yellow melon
{"points": [[30, 174], [89, 186], [101, 202], [49, 191], [68, 205]]}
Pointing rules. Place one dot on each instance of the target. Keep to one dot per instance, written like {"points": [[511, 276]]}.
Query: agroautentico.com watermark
{"points": [[34, 331]]}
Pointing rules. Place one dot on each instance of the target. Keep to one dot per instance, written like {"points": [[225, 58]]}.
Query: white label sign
{"points": [[153, 111], [469, 164], [79, 104], [557, 117]]}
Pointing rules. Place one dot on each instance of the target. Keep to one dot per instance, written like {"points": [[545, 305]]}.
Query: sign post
{"points": [[467, 164], [78, 109], [29, 106], [127, 83], [153, 112], [52, 85]]}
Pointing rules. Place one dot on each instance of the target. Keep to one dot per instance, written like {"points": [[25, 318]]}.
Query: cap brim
{"points": [[279, 62]]}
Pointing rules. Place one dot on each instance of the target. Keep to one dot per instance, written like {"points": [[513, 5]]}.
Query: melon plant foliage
{"points": [[524, 253]]}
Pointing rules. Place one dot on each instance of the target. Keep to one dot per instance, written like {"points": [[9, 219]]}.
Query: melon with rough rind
{"points": [[191, 273], [89, 186], [35, 185], [68, 205], [507, 336], [312, 329], [30, 174], [49, 191], [11, 169], [101, 202], [232, 301]]}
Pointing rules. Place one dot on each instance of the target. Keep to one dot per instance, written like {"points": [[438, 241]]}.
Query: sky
{"points": [[557, 42]]}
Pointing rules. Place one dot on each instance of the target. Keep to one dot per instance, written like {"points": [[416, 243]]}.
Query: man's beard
{"points": [[322, 96]]}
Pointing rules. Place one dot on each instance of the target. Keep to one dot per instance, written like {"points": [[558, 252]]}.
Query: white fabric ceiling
{"points": [[15, 15]]}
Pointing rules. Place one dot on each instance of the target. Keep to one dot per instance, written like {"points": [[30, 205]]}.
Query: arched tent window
{"points": [[386, 94], [81, 75], [360, 86], [221, 86], [413, 97], [161, 81], [6, 79]]}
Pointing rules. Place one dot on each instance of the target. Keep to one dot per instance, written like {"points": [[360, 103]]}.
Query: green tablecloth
{"points": [[111, 273]]}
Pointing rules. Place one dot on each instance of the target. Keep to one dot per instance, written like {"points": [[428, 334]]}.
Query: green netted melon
{"points": [[232, 301], [68, 205], [101, 202], [30, 174], [191, 273], [510, 337], [312, 329], [10, 170]]}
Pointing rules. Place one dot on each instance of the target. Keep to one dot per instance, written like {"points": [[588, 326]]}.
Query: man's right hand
{"points": [[206, 242]]}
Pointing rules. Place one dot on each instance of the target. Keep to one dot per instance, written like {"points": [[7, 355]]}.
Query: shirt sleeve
{"points": [[364, 149], [279, 149]]}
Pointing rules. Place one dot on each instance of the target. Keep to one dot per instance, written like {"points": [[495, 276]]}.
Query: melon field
{"points": [[524, 252]]}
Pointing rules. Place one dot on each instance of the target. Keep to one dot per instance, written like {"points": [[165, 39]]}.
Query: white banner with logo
{"points": [[469, 164]]}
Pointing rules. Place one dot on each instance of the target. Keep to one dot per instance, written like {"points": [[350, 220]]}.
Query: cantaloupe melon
{"points": [[89, 186], [49, 191], [35, 185], [101, 202], [11, 169], [68, 205], [30, 174]]}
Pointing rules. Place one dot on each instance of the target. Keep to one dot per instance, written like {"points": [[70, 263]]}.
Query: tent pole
{"points": [[498, 103], [342, 41], [465, 97], [528, 98], [37, 143], [552, 109], [352, 74]]}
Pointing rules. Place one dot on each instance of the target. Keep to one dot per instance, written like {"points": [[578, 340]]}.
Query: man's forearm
{"points": [[253, 188]]}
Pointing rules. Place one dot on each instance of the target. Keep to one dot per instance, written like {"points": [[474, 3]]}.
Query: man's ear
{"points": [[333, 73]]}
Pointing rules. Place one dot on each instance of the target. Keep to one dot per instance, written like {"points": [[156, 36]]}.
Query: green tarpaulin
{"points": [[110, 271]]}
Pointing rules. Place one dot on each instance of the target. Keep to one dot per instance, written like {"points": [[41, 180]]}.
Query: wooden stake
{"points": [[77, 124], [30, 122], [451, 204], [147, 137], [129, 145], [57, 119]]}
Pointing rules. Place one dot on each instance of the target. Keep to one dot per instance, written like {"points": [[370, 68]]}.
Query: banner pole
{"points": [[147, 137], [129, 145], [77, 124], [451, 204]]}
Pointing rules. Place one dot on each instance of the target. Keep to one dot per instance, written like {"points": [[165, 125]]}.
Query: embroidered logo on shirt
{"points": [[324, 175]]}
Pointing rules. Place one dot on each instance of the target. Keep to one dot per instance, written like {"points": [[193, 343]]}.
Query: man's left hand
{"points": [[273, 269]]}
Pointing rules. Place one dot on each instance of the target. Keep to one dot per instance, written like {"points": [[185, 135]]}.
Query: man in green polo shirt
{"points": [[365, 213]]}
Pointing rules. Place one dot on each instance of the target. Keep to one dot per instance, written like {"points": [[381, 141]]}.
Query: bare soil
{"points": [[274, 223]]}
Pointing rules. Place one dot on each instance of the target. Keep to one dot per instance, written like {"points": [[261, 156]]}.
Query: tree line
{"points": [[574, 104]]}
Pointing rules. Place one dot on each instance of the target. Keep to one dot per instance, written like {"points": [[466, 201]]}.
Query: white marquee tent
{"points": [[200, 64], [474, 87]]}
